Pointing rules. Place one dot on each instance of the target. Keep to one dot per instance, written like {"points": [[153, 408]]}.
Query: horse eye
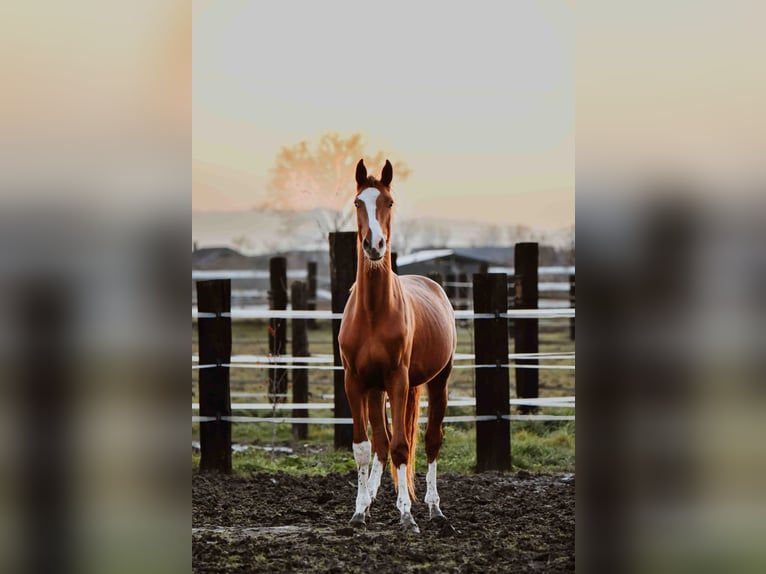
{"points": [[390, 204], [357, 204]]}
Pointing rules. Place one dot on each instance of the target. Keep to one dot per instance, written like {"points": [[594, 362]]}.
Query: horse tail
{"points": [[411, 429], [411, 415]]}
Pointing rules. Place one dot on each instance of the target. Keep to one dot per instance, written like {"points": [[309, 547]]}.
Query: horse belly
{"points": [[427, 362], [434, 340]]}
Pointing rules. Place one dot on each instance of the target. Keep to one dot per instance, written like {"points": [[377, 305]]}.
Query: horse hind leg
{"points": [[381, 439], [396, 387], [437, 408]]}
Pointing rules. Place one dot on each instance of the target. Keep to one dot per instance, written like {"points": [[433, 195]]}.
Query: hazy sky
{"points": [[477, 99]]}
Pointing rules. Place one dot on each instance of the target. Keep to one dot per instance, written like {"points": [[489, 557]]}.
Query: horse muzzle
{"points": [[375, 253]]}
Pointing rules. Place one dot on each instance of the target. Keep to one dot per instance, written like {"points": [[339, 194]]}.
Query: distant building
{"points": [[220, 258], [447, 261]]}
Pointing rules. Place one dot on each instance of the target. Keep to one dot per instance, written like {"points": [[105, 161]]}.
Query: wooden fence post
{"points": [[451, 289], [526, 330], [462, 291], [342, 276], [311, 296], [514, 296], [300, 346], [214, 397], [277, 327], [493, 438], [572, 305]]}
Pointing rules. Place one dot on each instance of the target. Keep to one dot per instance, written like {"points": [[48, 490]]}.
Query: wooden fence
{"points": [[491, 319]]}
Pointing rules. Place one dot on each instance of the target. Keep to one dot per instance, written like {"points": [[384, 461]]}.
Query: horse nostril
{"points": [[381, 243], [366, 243]]}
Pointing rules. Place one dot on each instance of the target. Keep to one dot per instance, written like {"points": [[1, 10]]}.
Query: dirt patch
{"points": [[284, 523]]}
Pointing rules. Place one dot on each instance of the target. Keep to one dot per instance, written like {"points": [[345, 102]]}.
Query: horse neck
{"points": [[376, 286]]}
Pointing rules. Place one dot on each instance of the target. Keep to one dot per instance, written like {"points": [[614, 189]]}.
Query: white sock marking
{"points": [[432, 496], [375, 475], [403, 502], [369, 196], [362, 458]]}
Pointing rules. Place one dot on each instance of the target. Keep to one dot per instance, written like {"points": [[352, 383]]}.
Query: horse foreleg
{"points": [[437, 407], [380, 439], [361, 447], [397, 392], [363, 498]]}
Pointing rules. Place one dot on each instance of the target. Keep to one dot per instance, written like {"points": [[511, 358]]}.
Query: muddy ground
{"points": [[514, 522]]}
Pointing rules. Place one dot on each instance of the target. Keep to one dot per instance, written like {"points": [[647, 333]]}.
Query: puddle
{"points": [[245, 447]]}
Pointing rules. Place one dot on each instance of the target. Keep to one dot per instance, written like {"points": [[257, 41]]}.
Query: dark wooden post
{"points": [[214, 398], [277, 327], [493, 438], [462, 291], [526, 330], [300, 344], [311, 276], [436, 276], [394, 266], [342, 276], [572, 305], [514, 296], [451, 289]]}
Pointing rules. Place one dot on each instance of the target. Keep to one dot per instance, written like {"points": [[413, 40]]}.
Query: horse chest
{"points": [[373, 351]]}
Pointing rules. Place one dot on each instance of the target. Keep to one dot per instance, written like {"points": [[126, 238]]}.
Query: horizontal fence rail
{"points": [[325, 362], [560, 402], [545, 270], [208, 274], [328, 359], [348, 421], [459, 314]]}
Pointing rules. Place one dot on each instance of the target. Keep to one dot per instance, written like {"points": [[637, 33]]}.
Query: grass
{"points": [[539, 446]]}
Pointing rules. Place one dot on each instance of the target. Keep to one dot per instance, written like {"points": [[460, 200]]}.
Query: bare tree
{"points": [[571, 257], [518, 233], [322, 177], [491, 235], [242, 243]]}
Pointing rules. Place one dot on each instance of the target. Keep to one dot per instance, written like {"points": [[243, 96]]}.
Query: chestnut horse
{"points": [[397, 336]]}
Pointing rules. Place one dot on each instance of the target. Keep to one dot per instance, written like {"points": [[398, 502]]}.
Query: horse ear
{"points": [[387, 174], [361, 173]]}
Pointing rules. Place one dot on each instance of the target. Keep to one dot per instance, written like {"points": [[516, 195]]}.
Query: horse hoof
{"points": [[357, 520], [408, 523], [438, 516]]}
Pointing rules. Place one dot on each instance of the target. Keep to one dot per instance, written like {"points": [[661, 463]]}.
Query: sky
{"points": [[671, 87], [478, 100]]}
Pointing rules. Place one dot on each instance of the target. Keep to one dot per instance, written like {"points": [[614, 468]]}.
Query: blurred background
{"points": [[95, 175], [670, 211], [99, 156]]}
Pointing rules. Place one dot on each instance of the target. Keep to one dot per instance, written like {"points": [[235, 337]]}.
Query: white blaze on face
{"points": [[369, 197]]}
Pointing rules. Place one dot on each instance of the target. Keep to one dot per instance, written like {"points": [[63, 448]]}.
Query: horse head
{"points": [[374, 204]]}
